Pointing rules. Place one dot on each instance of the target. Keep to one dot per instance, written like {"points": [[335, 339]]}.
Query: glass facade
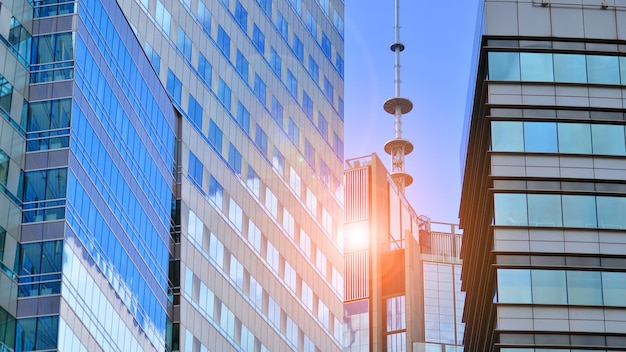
{"points": [[543, 195]]}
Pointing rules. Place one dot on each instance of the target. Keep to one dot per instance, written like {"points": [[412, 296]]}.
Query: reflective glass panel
{"points": [[608, 139], [507, 136], [579, 211], [549, 286], [514, 286], [613, 288], [544, 210], [536, 67], [603, 69], [570, 68], [510, 209], [540, 137], [584, 287], [611, 212], [574, 138], [504, 66]]}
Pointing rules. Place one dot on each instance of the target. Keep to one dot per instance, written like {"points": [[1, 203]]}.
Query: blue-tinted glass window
{"points": [[224, 93], [275, 62], [540, 137], [258, 38], [339, 63], [340, 107], [223, 41], [311, 24], [510, 209], [242, 65], [329, 91], [204, 69], [195, 111], [293, 132], [277, 112], [322, 126], [266, 6], [579, 211], [549, 286], [4, 173], [234, 158], [338, 23], [48, 115], [154, 58], [278, 161], [298, 47], [297, 6], [314, 69], [574, 138], [307, 105], [507, 136], [584, 287], [292, 84], [608, 139], [537, 67], [514, 286], [282, 25], [44, 185], [184, 44], [622, 71], [544, 210], [570, 68], [241, 15], [260, 89], [611, 212], [204, 16], [309, 153], [243, 117], [216, 191], [52, 47], [38, 333], [195, 169], [215, 136], [326, 45], [613, 288], [504, 66], [337, 146], [603, 69], [174, 86], [163, 17], [260, 138]]}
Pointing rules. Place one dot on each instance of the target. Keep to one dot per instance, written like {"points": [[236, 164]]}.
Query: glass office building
{"points": [[170, 175], [544, 197]]}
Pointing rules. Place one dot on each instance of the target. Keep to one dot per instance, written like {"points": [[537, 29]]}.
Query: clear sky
{"points": [[435, 65]]}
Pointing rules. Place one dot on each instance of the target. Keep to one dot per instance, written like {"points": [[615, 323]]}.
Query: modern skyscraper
{"points": [[402, 272], [544, 196], [127, 223]]}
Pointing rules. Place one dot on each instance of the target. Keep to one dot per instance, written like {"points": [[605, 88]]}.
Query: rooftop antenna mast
{"points": [[398, 106]]}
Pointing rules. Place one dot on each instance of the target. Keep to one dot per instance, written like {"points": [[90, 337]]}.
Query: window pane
{"points": [[540, 137], [507, 136], [570, 68], [536, 67], [549, 286], [504, 66], [579, 211], [603, 69], [510, 209], [574, 138], [514, 286], [613, 288], [584, 287], [611, 212], [544, 210], [608, 139]]}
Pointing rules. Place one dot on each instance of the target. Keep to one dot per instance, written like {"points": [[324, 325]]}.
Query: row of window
{"points": [[574, 287], [557, 67], [561, 137], [556, 210], [213, 248], [278, 212]]}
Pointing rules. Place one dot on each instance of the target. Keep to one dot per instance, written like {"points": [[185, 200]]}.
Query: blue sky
{"points": [[439, 38]]}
